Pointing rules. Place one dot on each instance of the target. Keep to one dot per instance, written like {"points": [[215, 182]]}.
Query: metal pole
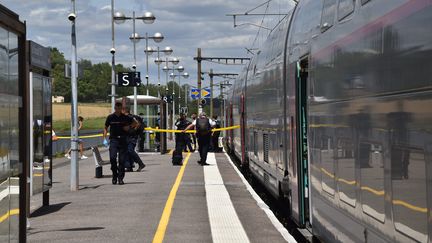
{"points": [[211, 93], [173, 97], [199, 78], [113, 78], [179, 94], [167, 93], [147, 91], [134, 49], [186, 94], [158, 56], [74, 111], [221, 106]]}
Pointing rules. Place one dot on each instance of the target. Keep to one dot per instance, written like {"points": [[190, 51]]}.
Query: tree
{"points": [[61, 85]]}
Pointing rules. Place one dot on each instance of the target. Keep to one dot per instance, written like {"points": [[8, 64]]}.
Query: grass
{"points": [[89, 124], [62, 111]]}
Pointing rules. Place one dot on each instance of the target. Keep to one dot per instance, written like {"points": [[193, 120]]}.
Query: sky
{"points": [[185, 24]]}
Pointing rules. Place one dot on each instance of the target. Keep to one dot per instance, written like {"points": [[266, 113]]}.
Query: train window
{"points": [[327, 165], [346, 7], [346, 171], [364, 1], [266, 147], [371, 163], [328, 14], [408, 174]]}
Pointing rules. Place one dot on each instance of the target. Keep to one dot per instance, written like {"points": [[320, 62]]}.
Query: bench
{"points": [[99, 162]]}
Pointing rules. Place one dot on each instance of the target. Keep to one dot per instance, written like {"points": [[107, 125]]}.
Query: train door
{"points": [[302, 143]]}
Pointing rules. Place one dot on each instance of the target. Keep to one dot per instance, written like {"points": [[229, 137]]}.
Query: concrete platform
{"points": [[188, 203]]}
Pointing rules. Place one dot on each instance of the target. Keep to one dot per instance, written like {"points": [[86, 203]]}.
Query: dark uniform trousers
{"points": [[204, 146], [118, 145], [142, 138], [132, 156]]}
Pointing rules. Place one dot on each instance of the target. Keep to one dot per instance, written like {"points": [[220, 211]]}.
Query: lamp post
{"points": [[147, 18], [166, 68], [168, 51], [74, 179], [180, 69], [172, 75], [112, 51]]}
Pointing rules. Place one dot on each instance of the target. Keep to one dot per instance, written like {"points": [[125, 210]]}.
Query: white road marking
{"points": [[224, 222], [261, 204]]}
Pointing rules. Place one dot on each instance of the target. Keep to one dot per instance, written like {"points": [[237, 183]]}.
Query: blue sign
{"points": [[205, 93], [195, 94]]}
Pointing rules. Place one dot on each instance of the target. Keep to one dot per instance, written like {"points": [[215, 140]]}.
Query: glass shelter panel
{"points": [[9, 135]]}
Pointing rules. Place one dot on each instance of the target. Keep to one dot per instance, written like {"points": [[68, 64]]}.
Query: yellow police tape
{"points": [[157, 130]]}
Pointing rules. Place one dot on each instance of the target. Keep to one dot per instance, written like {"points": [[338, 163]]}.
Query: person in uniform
{"points": [[141, 136], [134, 130], [118, 124], [215, 136], [203, 126]]}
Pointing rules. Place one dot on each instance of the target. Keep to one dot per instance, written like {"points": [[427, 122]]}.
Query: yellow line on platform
{"points": [[8, 214], [163, 223]]}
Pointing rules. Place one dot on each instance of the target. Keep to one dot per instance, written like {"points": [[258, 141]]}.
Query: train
{"points": [[335, 118]]}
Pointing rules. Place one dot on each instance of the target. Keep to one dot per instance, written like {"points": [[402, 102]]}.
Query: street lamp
{"points": [[166, 69], [167, 51], [180, 70], [147, 18]]}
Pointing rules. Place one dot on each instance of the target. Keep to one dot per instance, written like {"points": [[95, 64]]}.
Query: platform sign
{"points": [[205, 93], [184, 110], [129, 79], [168, 99], [194, 94]]}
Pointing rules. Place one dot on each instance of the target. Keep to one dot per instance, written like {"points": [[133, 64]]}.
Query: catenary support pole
{"points": [[199, 78]]}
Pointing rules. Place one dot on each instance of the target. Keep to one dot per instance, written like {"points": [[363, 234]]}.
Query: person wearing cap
{"points": [[203, 126]]}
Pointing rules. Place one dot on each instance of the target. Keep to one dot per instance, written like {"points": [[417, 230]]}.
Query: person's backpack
{"points": [[203, 126]]}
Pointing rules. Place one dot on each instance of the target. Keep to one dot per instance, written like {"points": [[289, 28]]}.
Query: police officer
{"points": [[135, 128], [215, 136], [181, 138], [118, 124], [141, 136], [203, 127]]}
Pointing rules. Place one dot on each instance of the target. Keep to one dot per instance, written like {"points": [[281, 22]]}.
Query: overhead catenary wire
{"points": [[262, 21]]}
